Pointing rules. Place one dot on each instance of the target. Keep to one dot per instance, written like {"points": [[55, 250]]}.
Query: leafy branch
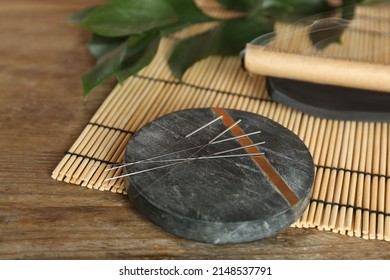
{"points": [[126, 33]]}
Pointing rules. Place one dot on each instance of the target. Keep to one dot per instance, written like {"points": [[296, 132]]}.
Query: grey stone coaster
{"points": [[219, 200]]}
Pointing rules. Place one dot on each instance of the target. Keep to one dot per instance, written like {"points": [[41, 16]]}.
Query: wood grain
{"points": [[41, 114]]}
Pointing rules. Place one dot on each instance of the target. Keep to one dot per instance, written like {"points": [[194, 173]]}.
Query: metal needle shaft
{"points": [[239, 148], [188, 135], [180, 160], [223, 132], [236, 137]]}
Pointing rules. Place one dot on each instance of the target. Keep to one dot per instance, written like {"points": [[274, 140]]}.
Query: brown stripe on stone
{"points": [[262, 161]]}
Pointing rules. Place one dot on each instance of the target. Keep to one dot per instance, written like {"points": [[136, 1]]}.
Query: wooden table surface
{"points": [[42, 112]]}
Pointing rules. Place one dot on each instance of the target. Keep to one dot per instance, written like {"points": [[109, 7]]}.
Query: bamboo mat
{"points": [[351, 193]]}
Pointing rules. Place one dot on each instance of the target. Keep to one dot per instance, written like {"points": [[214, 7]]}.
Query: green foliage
{"points": [[138, 55], [188, 11], [244, 5], [328, 31], [108, 64], [292, 10], [100, 45], [228, 38], [124, 60], [127, 33], [80, 15], [120, 18]]}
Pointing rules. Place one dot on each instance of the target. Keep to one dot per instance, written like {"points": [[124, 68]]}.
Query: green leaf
{"points": [[329, 30], [166, 31], [137, 57], [126, 17], [348, 8], [239, 5], [108, 65], [78, 16], [369, 2], [126, 59], [188, 13], [229, 38], [292, 10], [99, 45]]}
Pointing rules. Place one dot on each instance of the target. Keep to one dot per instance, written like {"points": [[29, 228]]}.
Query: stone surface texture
{"points": [[225, 200]]}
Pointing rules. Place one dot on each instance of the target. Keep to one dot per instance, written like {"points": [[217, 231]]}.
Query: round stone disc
{"points": [[219, 192]]}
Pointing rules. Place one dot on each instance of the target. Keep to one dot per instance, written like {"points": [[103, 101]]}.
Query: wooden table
{"points": [[42, 112]]}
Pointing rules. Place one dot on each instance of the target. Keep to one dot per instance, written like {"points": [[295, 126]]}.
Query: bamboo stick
{"points": [[360, 183], [382, 182], [387, 210], [340, 181], [336, 177], [387, 200], [353, 185], [341, 221], [367, 182], [326, 159], [375, 181]]}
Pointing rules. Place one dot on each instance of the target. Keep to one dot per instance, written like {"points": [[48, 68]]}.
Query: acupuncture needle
{"points": [[177, 142], [212, 140], [236, 137], [209, 157], [239, 148], [176, 163], [180, 160], [215, 155], [180, 151], [222, 133], [179, 163]]}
